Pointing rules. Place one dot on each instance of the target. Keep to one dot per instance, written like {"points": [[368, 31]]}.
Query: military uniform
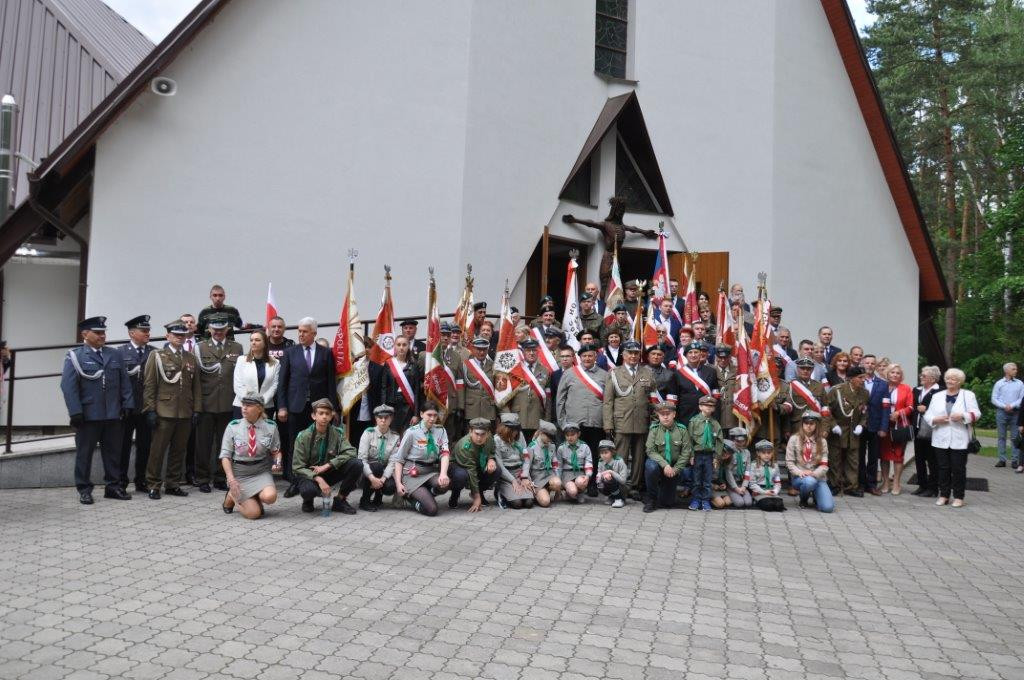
{"points": [[665, 446], [477, 402], [216, 363], [848, 407], [249, 447], [623, 328], [592, 322], [626, 413], [454, 420], [203, 320], [171, 391], [96, 391], [787, 395], [135, 425], [525, 403], [727, 385]]}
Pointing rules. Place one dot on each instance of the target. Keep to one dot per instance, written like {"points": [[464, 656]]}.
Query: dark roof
{"points": [[60, 58]]}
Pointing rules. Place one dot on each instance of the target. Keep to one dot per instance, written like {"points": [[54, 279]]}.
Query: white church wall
{"points": [[839, 253]]}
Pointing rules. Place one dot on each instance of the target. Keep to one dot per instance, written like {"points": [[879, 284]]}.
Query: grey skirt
{"points": [[542, 477], [424, 473], [506, 489], [570, 475], [253, 478]]}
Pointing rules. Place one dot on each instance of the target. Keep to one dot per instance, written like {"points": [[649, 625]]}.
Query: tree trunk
{"points": [[949, 184]]}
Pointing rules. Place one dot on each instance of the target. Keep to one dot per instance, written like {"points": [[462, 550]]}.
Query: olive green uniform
{"points": [[216, 377], [848, 408], [172, 390], [626, 412]]}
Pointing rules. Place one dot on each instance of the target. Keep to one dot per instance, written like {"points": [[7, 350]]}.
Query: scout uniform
{"points": [[250, 446], [848, 406], [313, 448], [171, 391], [665, 446], [766, 478], [510, 460], [575, 460], [216, 362], [706, 440], [376, 449], [472, 459], [477, 397], [809, 455], [541, 460], [525, 402], [727, 385], [737, 472], [626, 412], [134, 424], [419, 455], [97, 391], [617, 487]]}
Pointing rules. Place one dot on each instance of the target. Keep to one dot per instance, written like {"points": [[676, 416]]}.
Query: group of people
{"points": [[612, 418]]}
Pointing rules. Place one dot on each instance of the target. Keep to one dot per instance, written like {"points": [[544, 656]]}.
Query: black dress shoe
{"points": [[176, 491], [368, 507], [141, 488], [190, 480], [341, 505], [649, 506], [117, 494], [85, 497], [307, 505], [919, 492], [291, 491], [154, 494], [856, 493], [205, 488], [932, 493], [228, 509], [1001, 463], [453, 502], [220, 486]]}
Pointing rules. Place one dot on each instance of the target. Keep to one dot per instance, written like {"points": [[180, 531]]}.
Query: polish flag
{"points": [[271, 305], [614, 295], [722, 318], [383, 348], [660, 279]]}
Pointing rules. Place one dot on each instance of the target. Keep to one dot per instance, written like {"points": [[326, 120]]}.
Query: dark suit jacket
{"points": [[924, 400], [876, 414], [689, 394], [298, 386], [830, 352]]}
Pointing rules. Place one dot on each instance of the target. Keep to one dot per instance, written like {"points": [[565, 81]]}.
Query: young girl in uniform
{"points": [[575, 463], [612, 475], [765, 483], [737, 474], [514, 488], [542, 464], [421, 462]]}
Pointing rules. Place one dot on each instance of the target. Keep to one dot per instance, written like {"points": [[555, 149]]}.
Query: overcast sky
{"points": [[156, 18]]}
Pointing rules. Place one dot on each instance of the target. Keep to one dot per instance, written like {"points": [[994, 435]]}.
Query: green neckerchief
{"points": [[668, 446], [707, 440], [382, 449], [547, 456], [481, 456], [741, 464], [574, 460], [768, 477], [322, 454], [431, 446]]}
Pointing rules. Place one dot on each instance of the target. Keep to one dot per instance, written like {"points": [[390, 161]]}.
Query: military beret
{"points": [[586, 348], [384, 410], [480, 305], [529, 343], [804, 362], [723, 349], [93, 323], [252, 398], [737, 432], [810, 415], [570, 425], [177, 327], [693, 346], [408, 322], [480, 424], [513, 310], [547, 428], [141, 322], [321, 403], [219, 321], [606, 444], [620, 308], [764, 445], [553, 333], [854, 371], [481, 343], [586, 296], [707, 400], [655, 348], [631, 346], [510, 419], [665, 406]]}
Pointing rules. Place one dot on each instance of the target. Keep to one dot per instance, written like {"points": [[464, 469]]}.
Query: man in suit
{"points": [[306, 375], [830, 350], [135, 352], [626, 412], [98, 394], [697, 380], [171, 397], [217, 357], [877, 390], [525, 402], [566, 359]]}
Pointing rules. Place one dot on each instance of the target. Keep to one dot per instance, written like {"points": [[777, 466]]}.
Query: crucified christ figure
{"points": [[614, 232]]}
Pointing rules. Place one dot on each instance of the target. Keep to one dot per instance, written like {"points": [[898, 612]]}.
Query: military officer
{"points": [[217, 306], [478, 395], [620, 324], [727, 385], [452, 357], [799, 395], [697, 380], [171, 398], [666, 380], [531, 407], [216, 358], [592, 321], [98, 393], [135, 352], [847, 402], [479, 316], [627, 392]]}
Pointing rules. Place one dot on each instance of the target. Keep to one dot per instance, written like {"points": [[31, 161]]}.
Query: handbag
{"points": [[903, 432], [973, 446]]}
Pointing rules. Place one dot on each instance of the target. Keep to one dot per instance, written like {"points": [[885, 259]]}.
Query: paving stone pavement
{"points": [[889, 588]]}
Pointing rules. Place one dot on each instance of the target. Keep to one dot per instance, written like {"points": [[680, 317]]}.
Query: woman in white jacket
{"points": [[256, 372], [950, 413]]}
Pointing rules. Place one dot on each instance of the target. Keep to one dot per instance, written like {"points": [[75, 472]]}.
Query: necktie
{"points": [[668, 447], [252, 440], [138, 350], [381, 452], [309, 359]]}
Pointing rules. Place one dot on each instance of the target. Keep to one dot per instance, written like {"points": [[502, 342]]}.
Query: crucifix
{"points": [[614, 232]]}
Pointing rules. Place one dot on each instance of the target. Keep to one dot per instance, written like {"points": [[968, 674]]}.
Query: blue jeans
{"points": [[703, 471], [822, 494], [660, 488], [1006, 422]]}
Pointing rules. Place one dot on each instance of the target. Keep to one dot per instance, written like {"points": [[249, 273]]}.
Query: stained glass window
{"points": [[610, 37]]}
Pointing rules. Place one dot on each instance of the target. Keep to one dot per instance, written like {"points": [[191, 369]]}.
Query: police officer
{"points": [[216, 358], [478, 395], [627, 393], [98, 394], [135, 352], [171, 398], [531, 407]]}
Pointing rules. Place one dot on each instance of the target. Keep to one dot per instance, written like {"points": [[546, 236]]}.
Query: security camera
{"points": [[165, 87]]}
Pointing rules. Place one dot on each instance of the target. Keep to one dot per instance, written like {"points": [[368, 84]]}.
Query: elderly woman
{"points": [[514, 488], [246, 451], [807, 460], [899, 407], [950, 415], [924, 456]]}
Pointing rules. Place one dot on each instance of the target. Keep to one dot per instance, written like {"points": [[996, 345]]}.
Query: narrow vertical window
{"points": [[610, 37]]}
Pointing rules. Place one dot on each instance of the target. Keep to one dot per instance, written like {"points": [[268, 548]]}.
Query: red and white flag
{"points": [[437, 377], [653, 325], [660, 279], [464, 309], [691, 313], [614, 295], [544, 355], [383, 348], [351, 368], [271, 305], [766, 372], [571, 323], [722, 325], [743, 397], [508, 373]]}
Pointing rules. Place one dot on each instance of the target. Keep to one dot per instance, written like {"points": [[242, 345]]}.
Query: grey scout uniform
{"points": [[541, 462], [620, 474], [575, 460], [576, 402], [379, 450], [251, 466], [418, 457], [509, 458], [477, 402], [764, 477]]}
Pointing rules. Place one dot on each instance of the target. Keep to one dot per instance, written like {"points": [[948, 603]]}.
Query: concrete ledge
{"points": [[45, 467]]}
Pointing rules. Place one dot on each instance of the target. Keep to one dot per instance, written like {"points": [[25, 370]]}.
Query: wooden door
{"points": [[712, 270]]}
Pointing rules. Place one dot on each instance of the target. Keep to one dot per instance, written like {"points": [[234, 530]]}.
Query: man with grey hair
{"points": [[306, 375], [1006, 397]]}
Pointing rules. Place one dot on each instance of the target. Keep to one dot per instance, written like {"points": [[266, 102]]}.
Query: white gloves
{"points": [[836, 429], [857, 430]]}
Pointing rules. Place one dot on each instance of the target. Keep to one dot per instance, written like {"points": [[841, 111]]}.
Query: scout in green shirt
{"points": [[323, 457], [668, 453], [474, 466], [706, 440]]}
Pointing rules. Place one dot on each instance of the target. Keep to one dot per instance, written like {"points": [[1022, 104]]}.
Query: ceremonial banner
{"points": [[437, 379], [743, 397], [464, 310], [722, 325], [350, 366], [660, 279], [383, 347], [652, 326], [508, 367], [690, 311], [571, 324], [271, 305], [766, 372], [614, 295]]}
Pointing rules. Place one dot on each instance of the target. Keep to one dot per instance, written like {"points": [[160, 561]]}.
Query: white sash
{"points": [[694, 378], [588, 382], [806, 394], [618, 390], [477, 370], [214, 368], [781, 352], [403, 382]]}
